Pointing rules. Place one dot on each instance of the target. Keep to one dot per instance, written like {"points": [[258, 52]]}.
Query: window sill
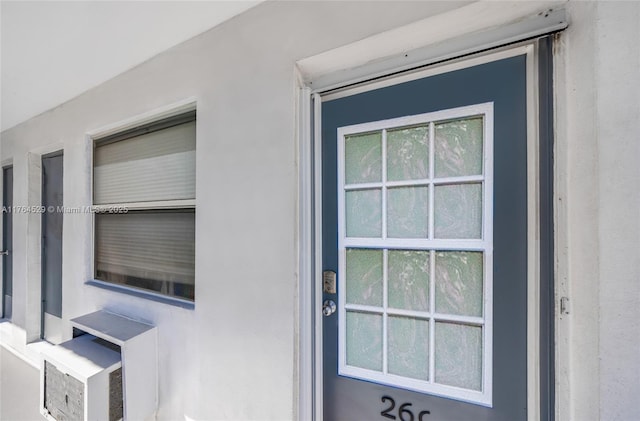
{"points": [[177, 302]]}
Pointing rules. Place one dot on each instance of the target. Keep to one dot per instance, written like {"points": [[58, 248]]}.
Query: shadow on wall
{"points": [[19, 394]]}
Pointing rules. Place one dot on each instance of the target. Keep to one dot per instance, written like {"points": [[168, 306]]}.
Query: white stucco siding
{"points": [[233, 356], [618, 119], [576, 191], [598, 211]]}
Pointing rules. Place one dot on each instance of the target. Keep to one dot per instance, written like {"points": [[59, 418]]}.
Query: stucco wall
{"points": [[618, 116], [598, 208], [234, 356]]}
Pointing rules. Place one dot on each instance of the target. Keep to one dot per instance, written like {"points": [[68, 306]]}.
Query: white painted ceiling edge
{"points": [[53, 51]]}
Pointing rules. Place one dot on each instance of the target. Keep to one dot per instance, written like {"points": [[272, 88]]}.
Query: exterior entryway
{"points": [[7, 242], [424, 210], [52, 216]]}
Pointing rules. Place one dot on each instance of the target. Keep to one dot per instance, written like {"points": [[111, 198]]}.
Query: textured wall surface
{"points": [[234, 355], [598, 211], [18, 389], [618, 117]]}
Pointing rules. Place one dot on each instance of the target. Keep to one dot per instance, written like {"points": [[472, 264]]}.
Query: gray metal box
{"points": [[81, 379]]}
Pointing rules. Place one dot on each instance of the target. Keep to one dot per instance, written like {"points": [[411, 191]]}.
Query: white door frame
{"points": [[310, 215], [35, 311], [7, 163]]}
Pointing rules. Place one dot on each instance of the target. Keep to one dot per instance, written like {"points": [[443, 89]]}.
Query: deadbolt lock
{"points": [[329, 282]]}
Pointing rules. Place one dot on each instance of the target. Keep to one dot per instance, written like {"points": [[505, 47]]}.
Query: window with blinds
{"points": [[144, 202]]}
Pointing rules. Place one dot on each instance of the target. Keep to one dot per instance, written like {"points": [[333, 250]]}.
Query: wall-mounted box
{"points": [[81, 379], [112, 350]]}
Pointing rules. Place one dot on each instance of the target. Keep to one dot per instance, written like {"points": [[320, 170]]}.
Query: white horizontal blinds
{"points": [[152, 167], [146, 245]]}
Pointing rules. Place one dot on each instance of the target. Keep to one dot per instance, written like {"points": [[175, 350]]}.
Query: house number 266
{"points": [[404, 411]]}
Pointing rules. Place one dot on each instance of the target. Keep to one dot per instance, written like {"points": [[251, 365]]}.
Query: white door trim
{"points": [[310, 332], [350, 69], [34, 310], [485, 25]]}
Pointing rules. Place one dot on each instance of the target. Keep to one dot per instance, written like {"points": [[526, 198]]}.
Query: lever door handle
{"points": [[4, 252]]}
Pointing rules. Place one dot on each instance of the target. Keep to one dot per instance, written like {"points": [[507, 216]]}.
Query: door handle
{"points": [[328, 308], [4, 252]]}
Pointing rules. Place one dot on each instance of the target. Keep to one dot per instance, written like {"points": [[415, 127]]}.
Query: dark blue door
{"points": [[425, 224], [7, 241], [52, 176]]}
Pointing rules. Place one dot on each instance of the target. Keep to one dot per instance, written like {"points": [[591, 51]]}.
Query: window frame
{"points": [[178, 113], [432, 245]]}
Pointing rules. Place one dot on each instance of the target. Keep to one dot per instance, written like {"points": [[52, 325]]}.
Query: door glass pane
{"points": [[458, 211], [363, 158], [458, 355], [459, 283], [412, 293], [407, 212], [409, 279], [408, 350], [364, 277], [458, 148], [364, 213], [364, 340], [408, 153]]}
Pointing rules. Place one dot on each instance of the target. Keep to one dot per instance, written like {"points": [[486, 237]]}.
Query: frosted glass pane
{"points": [[459, 283], [408, 279], [364, 276], [458, 355], [458, 211], [408, 347], [408, 212], [408, 153], [363, 158], [364, 213], [458, 148], [364, 340]]}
